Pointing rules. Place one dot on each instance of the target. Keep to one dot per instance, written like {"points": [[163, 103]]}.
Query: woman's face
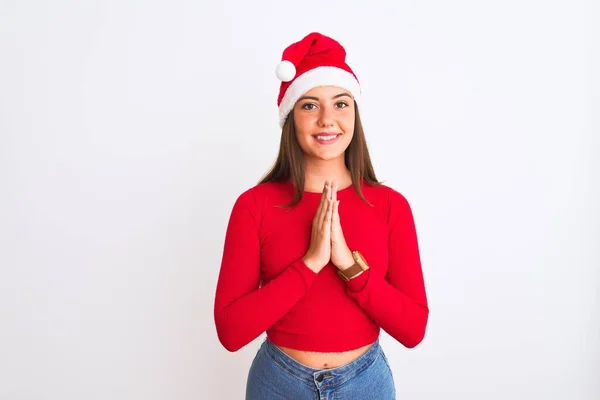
{"points": [[324, 122]]}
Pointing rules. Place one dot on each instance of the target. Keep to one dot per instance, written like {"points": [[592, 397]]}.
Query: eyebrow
{"points": [[317, 99]]}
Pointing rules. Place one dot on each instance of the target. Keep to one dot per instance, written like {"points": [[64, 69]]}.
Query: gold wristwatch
{"points": [[360, 265]]}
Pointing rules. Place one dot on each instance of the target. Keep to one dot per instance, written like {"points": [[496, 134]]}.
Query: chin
{"points": [[328, 156]]}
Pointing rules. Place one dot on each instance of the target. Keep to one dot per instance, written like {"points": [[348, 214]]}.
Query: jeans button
{"points": [[320, 378]]}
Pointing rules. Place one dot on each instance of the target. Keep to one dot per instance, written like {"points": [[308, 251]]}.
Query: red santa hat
{"points": [[316, 60]]}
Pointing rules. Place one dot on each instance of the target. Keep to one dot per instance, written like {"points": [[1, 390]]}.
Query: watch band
{"points": [[351, 272], [359, 266]]}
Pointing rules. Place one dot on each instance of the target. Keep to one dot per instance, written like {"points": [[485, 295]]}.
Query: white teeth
{"points": [[327, 137]]}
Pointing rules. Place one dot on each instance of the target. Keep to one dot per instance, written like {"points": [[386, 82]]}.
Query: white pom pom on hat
{"points": [[285, 71]]}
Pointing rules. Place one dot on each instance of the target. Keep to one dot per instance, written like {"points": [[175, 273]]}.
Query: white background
{"points": [[127, 130]]}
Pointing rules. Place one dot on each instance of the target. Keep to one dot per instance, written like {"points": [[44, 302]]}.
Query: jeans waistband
{"points": [[323, 377]]}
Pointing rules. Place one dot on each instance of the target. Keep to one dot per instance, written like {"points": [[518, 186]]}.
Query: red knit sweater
{"points": [[264, 285]]}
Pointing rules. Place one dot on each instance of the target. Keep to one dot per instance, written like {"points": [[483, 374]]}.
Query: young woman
{"points": [[320, 255]]}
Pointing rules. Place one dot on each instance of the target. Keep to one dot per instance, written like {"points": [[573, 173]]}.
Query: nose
{"points": [[325, 117]]}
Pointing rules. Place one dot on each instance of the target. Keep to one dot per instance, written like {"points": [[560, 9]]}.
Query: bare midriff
{"points": [[320, 360]]}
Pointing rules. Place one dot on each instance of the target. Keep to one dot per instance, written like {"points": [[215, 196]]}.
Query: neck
{"points": [[317, 171]]}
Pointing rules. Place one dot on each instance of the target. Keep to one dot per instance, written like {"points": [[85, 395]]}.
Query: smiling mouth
{"points": [[327, 138]]}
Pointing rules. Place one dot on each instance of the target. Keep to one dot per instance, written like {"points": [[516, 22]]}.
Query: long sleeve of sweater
{"points": [[397, 301], [243, 309]]}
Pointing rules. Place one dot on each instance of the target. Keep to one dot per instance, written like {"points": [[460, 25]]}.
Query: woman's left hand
{"points": [[341, 256]]}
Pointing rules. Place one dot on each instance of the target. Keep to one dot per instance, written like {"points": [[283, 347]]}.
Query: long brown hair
{"points": [[290, 160]]}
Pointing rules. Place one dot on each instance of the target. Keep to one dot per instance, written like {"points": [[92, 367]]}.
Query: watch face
{"points": [[361, 261]]}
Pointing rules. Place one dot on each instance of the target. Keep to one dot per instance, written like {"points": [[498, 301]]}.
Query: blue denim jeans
{"points": [[275, 375]]}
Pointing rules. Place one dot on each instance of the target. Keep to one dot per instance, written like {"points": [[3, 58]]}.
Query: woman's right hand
{"points": [[319, 252]]}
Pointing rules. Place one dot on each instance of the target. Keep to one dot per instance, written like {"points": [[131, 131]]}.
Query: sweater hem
{"points": [[341, 343]]}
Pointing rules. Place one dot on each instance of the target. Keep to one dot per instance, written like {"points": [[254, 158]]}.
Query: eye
{"points": [[309, 106], [341, 104]]}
